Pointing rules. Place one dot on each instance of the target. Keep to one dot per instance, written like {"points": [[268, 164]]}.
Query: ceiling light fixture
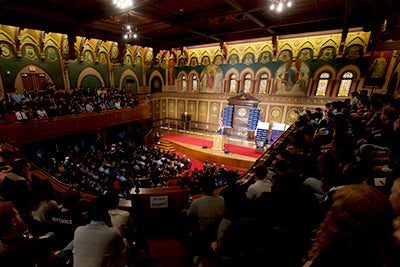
{"points": [[130, 33], [279, 5], [122, 4]]}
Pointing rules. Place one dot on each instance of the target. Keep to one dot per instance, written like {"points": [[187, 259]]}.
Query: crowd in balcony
{"points": [[52, 102]]}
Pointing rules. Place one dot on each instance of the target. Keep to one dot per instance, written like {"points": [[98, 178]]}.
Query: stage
{"points": [[199, 146]]}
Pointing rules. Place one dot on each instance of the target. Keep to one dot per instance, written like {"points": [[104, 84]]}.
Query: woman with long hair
{"points": [[356, 231]]}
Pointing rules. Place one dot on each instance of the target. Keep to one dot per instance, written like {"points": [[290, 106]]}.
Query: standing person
{"points": [[261, 184], [356, 231], [96, 244]]}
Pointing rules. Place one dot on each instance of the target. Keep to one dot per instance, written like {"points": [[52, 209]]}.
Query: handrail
{"points": [[32, 131]]}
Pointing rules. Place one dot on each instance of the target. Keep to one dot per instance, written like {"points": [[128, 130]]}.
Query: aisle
{"points": [[166, 251]]}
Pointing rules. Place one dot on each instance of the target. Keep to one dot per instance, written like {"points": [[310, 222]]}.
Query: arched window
{"points": [[262, 89], [247, 83], [345, 84], [232, 83], [194, 83], [322, 86], [183, 83]]}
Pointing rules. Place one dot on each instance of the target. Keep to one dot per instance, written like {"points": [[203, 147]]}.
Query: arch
{"points": [[89, 71], [126, 74], [182, 82], [314, 82], [160, 78], [7, 34], [259, 86], [246, 80], [18, 83], [347, 73], [193, 81], [227, 79]]}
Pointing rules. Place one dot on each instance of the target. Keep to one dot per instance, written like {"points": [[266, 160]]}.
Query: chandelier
{"points": [[279, 5], [130, 33], [122, 4]]}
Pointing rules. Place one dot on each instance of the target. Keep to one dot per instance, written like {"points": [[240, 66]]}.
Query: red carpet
{"points": [[245, 151]]}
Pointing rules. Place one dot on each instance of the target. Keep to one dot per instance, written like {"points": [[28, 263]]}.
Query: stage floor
{"points": [[238, 154]]}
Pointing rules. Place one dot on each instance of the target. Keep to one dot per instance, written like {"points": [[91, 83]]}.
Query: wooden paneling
{"points": [[36, 130]]}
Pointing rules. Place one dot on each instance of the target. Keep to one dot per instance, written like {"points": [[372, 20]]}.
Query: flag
{"points": [[221, 123]]}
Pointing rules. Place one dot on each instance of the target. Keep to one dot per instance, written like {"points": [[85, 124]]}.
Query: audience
{"points": [[204, 216], [39, 105], [97, 244], [262, 184], [319, 180], [356, 231]]}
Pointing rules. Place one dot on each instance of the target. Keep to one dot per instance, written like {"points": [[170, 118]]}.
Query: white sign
{"points": [[158, 202]]}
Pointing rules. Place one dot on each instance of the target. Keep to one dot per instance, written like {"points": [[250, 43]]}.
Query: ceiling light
{"points": [[123, 3], [279, 5], [130, 33]]}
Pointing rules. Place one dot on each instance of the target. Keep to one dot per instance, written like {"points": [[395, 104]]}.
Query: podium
{"points": [[218, 143]]}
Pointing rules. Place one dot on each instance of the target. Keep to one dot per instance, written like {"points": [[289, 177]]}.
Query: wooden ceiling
{"points": [[165, 24]]}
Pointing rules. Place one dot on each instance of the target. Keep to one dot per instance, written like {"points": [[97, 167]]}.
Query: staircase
{"points": [[164, 145]]}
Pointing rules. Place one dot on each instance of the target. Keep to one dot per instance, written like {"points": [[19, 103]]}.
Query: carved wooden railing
{"points": [[32, 131]]}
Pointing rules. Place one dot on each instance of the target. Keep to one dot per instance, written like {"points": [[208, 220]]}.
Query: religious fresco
{"points": [[265, 57], [212, 66], [211, 78], [103, 58], [291, 78], [171, 72], [233, 59], [51, 54], [305, 54], [354, 52], [205, 61], [29, 52], [128, 60], [327, 53], [88, 57], [248, 59], [193, 62], [377, 67], [218, 60], [285, 56]]}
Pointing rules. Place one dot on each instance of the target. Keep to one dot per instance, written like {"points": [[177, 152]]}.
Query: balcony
{"points": [[36, 130]]}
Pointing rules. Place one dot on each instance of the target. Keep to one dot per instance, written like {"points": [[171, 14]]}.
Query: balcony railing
{"points": [[32, 131]]}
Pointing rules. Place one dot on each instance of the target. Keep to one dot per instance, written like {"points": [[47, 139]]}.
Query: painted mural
{"points": [[378, 65], [291, 68], [291, 79], [211, 78]]}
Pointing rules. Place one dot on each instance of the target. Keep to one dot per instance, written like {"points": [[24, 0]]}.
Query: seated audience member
{"points": [[41, 113], [66, 218], [356, 231], [17, 247], [286, 217], [96, 244], [42, 204], [204, 216], [235, 201], [330, 176], [122, 220], [262, 184], [394, 199]]}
